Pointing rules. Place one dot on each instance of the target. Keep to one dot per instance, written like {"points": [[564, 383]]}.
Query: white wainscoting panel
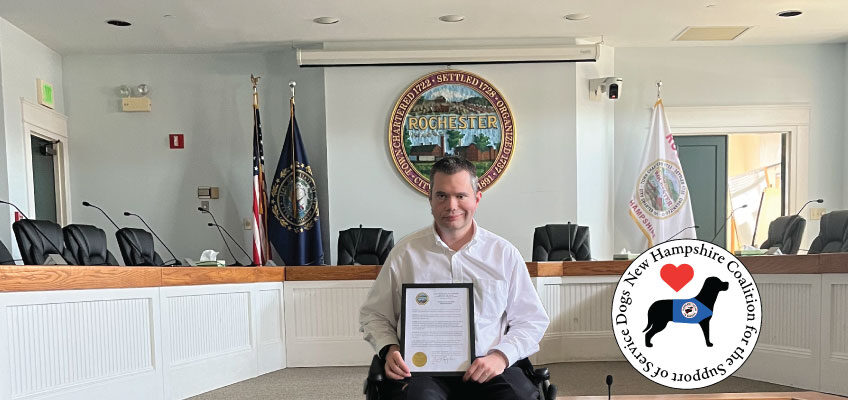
{"points": [[579, 309], [79, 344], [789, 345], [834, 356], [271, 346], [322, 323], [207, 337]]}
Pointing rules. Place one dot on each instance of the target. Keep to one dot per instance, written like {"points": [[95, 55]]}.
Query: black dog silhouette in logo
{"points": [[697, 310]]}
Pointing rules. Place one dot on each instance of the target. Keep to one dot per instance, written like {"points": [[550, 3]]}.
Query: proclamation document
{"points": [[437, 328]]}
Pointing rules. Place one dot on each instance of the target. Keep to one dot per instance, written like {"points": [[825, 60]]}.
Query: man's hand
{"points": [[395, 368], [485, 368]]}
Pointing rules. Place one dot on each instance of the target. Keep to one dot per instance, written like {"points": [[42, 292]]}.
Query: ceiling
{"points": [[78, 26]]}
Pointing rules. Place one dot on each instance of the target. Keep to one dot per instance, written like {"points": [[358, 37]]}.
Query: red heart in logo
{"points": [[677, 276]]}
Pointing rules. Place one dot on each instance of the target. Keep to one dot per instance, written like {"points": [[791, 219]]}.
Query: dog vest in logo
{"points": [[690, 311]]}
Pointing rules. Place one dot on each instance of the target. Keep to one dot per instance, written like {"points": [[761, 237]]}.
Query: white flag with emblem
{"points": [[660, 205]]}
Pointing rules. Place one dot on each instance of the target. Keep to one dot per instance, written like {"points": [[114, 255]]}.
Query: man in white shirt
{"points": [[456, 250]]}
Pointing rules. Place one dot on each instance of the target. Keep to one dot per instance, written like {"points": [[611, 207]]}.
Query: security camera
{"points": [[610, 85]]}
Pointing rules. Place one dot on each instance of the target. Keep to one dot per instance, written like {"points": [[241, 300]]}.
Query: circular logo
{"points": [[422, 299], [419, 359], [661, 189], [689, 310], [295, 205], [451, 112], [686, 314]]}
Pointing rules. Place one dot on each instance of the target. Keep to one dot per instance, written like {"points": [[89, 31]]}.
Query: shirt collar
{"points": [[475, 238]]}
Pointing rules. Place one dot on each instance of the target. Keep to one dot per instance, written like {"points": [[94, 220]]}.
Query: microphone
{"points": [[87, 204], [725, 221], [356, 244], [234, 241], [203, 210], [16, 208], [173, 257], [570, 239], [37, 229], [811, 201], [609, 387], [681, 231]]}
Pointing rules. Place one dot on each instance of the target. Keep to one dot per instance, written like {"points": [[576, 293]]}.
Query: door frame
{"points": [[792, 119], [53, 126]]}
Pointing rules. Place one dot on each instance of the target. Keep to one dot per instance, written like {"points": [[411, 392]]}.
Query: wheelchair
{"points": [[373, 388]]}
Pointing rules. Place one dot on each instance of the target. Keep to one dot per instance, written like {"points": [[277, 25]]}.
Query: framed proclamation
{"points": [[437, 328]]}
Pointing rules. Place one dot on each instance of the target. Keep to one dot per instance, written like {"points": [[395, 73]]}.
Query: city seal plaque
{"points": [[451, 112]]}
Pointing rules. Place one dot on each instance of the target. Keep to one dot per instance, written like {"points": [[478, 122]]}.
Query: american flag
{"points": [[260, 198]]}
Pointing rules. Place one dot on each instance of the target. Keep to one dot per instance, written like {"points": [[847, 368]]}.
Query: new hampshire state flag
{"points": [[293, 226], [660, 205]]}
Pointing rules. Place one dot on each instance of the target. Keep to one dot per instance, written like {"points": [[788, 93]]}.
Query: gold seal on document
{"points": [[419, 359], [422, 298]]}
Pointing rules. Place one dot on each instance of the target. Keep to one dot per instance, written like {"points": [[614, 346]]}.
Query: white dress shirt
{"points": [[503, 293]]}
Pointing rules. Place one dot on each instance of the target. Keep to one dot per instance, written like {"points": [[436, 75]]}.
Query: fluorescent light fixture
{"points": [[484, 55]]}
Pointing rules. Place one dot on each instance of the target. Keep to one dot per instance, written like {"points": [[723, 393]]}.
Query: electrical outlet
{"points": [[204, 205], [816, 213], [248, 224]]}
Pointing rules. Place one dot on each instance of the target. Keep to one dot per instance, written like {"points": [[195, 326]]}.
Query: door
{"points": [[704, 163], [44, 178]]}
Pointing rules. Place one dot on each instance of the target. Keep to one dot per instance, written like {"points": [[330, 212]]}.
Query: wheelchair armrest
{"points": [[376, 370], [542, 374]]}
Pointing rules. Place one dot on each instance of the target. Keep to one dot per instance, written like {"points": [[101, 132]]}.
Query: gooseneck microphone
{"points": [[570, 240], [725, 221], [251, 264], [811, 201], [16, 208], [205, 211], [87, 204], [609, 387], [681, 231], [173, 257], [35, 226], [356, 244]]}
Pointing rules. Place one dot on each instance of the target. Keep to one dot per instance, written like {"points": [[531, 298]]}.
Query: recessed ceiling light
{"points": [[789, 13], [326, 20], [577, 16], [118, 22], [451, 18]]}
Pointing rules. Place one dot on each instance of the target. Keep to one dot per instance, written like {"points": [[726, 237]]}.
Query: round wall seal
{"points": [[686, 314], [451, 112], [662, 191]]}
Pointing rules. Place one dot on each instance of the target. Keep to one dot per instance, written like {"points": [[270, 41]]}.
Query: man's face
{"points": [[453, 201]]}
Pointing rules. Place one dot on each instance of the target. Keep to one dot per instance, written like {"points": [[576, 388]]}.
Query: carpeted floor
{"points": [[583, 378]]}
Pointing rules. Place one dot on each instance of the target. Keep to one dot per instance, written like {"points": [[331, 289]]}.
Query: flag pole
{"points": [[263, 235], [659, 91], [292, 84]]}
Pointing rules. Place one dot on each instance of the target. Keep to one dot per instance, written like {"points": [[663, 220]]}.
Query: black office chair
{"points": [[833, 234], [37, 239], [541, 377], [143, 253], [366, 246], [558, 242], [5, 255], [785, 232], [87, 243]]}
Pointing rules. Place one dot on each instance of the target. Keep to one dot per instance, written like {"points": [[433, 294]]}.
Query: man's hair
{"points": [[450, 165]]}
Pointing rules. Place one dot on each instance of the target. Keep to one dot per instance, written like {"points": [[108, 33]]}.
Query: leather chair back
{"points": [[366, 246], [833, 233], [785, 232], [88, 245], [39, 238], [5, 255], [143, 252], [551, 243]]}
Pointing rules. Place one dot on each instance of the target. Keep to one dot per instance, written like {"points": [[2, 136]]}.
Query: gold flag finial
{"points": [[255, 81]]}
